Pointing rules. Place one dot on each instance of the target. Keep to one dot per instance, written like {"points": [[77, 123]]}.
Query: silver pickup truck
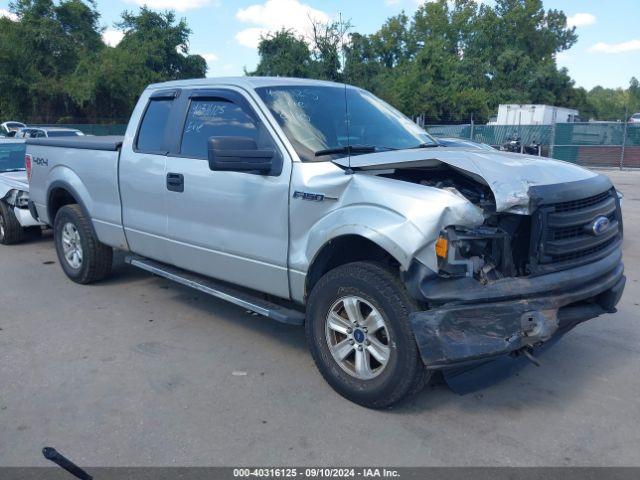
{"points": [[317, 203]]}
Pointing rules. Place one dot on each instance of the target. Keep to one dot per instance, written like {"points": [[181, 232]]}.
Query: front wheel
{"points": [[82, 257], [359, 334]]}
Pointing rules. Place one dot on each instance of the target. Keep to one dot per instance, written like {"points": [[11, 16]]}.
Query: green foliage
{"points": [[450, 60], [57, 65], [283, 54]]}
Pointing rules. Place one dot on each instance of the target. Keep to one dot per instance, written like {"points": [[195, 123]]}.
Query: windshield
{"points": [[327, 118], [12, 156]]}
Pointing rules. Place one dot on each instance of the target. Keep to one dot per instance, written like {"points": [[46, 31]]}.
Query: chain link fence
{"points": [[595, 144]]}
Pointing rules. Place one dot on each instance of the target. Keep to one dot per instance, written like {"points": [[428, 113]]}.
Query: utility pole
{"points": [[472, 125], [624, 135]]}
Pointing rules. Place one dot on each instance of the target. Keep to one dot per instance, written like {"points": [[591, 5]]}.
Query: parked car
{"points": [[635, 118], [399, 256], [514, 145], [48, 132], [463, 143], [9, 129], [15, 217]]}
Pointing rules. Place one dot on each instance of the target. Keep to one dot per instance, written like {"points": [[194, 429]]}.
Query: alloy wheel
{"points": [[358, 337]]}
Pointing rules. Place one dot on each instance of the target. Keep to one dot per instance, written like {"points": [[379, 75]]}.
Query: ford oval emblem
{"points": [[600, 225]]}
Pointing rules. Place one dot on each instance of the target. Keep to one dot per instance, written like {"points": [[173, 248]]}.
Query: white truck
{"points": [[317, 203], [528, 114], [15, 217]]}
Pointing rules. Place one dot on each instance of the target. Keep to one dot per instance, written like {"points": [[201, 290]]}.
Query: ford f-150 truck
{"points": [[317, 203]]}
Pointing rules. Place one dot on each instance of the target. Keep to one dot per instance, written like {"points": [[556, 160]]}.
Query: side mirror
{"points": [[238, 154]]}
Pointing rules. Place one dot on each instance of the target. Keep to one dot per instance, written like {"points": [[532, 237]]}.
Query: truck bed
{"points": [[87, 169], [110, 143]]}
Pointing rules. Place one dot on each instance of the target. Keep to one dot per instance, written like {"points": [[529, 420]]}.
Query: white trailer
{"points": [[520, 114]]}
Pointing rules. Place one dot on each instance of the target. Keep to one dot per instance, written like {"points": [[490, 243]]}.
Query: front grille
{"points": [[564, 236], [582, 203], [584, 253], [562, 233]]}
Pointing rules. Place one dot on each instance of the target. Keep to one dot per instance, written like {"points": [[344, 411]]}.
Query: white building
{"points": [[516, 114]]}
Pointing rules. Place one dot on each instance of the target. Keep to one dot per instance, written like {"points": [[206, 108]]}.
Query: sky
{"points": [[226, 32]]}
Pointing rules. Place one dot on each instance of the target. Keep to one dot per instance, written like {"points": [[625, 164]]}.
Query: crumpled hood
{"points": [[14, 180], [508, 175]]}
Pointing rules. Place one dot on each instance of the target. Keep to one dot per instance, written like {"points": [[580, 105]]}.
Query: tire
{"points": [[72, 229], [10, 229], [376, 292]]}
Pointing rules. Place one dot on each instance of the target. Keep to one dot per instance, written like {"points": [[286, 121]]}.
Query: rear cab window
{"points": [[152, 137]]}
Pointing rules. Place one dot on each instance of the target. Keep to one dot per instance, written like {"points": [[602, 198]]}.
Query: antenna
{"points": [[349, 171]]}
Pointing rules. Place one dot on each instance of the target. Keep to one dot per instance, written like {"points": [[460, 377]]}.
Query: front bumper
{"points": [[472, 322], [25, 218]]}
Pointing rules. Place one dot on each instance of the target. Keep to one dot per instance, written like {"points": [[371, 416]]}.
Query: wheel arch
{"points": [[343, 249], [60, 194]]}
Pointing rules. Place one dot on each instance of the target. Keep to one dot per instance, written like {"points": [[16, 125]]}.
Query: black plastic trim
{"points": [[456, 334], [438, 290], [33, 210], [111, 143], [563, 192], [165, 94]]}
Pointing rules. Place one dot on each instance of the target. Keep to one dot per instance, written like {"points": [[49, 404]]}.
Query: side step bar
{"points": [[219, 290]]}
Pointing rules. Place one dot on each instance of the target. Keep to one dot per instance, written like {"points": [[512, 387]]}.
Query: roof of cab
{"points": [[244, 82]]}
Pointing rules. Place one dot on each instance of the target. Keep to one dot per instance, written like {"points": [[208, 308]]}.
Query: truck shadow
{"points": [[571, 368], [290, 336], [582, 358]]}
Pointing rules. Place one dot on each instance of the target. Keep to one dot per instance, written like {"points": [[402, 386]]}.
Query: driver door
{"points": [[228, 225]]}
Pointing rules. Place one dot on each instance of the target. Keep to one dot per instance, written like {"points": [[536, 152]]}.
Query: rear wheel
{"points": [[83, 258], [10, 229], [359, 335]]}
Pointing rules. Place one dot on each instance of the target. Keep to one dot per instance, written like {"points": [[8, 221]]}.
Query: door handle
{"points": [[175, 182]]}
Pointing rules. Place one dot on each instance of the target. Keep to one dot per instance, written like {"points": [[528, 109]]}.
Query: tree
{"points": [[154, 49], [463, 58], [283, 54], [57, 67], [46, 43]]}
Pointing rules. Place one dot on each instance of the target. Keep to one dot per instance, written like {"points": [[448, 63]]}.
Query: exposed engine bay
{"points": [[448, 178], [497, 249]]}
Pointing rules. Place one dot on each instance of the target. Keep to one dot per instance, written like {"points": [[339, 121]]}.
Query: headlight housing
{"points": [[22, 199], [483, 252]]}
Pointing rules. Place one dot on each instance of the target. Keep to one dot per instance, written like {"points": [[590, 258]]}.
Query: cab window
{"points": [[151, 136], [216, 118]]}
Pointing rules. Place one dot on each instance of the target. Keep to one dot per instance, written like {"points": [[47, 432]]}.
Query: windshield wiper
{"points": [[13, 170], [427, 145], [349, 149]]}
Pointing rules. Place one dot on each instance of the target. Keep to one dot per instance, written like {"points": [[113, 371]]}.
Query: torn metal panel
{"points": [[509, 175], [404, 219], [13, 181]]}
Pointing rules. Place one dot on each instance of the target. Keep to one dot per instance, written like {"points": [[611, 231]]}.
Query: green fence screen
{"points": [[606, 144]]}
